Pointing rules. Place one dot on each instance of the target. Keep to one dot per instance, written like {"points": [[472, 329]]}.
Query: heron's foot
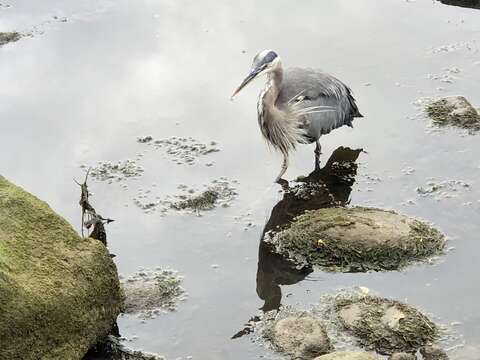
{"points": [[283, 183]]}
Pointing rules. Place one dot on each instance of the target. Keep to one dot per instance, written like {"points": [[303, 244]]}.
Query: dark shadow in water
{"points": [[473, 4], [325, 187]]}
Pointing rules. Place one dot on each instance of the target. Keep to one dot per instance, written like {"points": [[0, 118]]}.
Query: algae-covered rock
{"points": [[59, 293], [301, 337], [7, 37], [455, 111], [346, 355], [357, 239], [384, 325]]}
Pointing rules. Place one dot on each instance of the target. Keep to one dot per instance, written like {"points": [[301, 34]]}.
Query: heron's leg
{"points": [[318, 151], [283, 170]]}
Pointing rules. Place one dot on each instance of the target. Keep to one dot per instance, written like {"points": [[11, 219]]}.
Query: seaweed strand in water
{"points": [[89, 215]]}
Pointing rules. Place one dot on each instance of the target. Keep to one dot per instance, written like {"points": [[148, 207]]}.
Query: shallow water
{"points": [[81, 91]]}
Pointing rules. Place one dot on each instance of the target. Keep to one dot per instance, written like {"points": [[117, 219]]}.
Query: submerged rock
{"points": [[347, 355], [148, 293], [455, 111], [8, 37], [302, 337], [59, 293], [384, 325], [356, 239]]}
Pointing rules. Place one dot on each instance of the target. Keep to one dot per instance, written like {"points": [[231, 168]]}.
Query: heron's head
{"points": [[263, 63]]}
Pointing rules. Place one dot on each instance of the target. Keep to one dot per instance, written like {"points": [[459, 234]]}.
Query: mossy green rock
{"points": [[357, 239], [59, 293]]}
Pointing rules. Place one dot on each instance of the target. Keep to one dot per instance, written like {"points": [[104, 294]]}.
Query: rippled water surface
{"points": [[94, 75]]}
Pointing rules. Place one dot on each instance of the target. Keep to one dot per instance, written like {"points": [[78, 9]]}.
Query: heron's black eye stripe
{"points": [[269, 57]]}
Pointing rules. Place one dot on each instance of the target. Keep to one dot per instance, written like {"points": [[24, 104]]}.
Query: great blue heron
{"points": [[298, 105]]}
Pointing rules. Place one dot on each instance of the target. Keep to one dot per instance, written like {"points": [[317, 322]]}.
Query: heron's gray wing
{"points": [[312, 87]]}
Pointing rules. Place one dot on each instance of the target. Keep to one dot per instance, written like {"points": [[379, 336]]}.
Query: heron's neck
{"points": [[272, 88], [269, 95]]}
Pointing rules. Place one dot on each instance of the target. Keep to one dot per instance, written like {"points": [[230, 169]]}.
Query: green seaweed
{"points": [[59, 293]]}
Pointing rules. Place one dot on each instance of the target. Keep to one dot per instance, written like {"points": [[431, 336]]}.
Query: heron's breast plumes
{"points": [[282, 128]]}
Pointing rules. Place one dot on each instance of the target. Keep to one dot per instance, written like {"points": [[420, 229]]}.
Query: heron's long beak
{"points": [[253, 74]]}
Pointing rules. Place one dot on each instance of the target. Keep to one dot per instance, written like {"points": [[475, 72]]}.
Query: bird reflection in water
{"points": [[472, 4], [326, 187]]}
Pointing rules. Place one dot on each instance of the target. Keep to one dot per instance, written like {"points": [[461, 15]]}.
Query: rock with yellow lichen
{"points": [[356, 239], [59, 293]]}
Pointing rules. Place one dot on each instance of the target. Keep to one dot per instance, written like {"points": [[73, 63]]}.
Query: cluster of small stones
{"points": [[182, 150], [4, 5], [219, 193], [149, 293], [445, 189], [115, 171]]}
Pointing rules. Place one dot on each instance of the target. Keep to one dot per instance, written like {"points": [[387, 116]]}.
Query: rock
{"points": [[356, 239], [455, 111], [384, 325], [151, 292], [402, 356], [346, 355], [7, 37], [433, 353], [59, 293], [302, 337]]}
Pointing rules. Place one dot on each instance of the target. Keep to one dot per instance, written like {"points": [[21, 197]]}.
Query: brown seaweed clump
{"points": [[384, 325], [8, 37], [204, 201], [454, 111], [357, 239]]}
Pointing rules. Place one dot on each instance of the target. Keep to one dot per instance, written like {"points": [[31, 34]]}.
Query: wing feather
{"points": [[305, 88]]}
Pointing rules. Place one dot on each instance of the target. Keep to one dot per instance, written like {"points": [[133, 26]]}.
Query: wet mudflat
{"points": [[95, 77]]}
